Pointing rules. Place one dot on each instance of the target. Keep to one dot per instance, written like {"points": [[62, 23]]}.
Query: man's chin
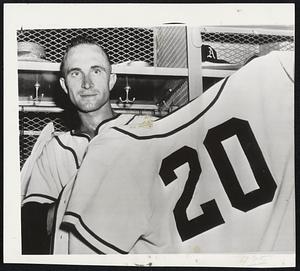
{"points": [[89, 108]]}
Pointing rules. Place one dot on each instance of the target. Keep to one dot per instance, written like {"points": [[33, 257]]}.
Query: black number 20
{"points": [[211, 216]]}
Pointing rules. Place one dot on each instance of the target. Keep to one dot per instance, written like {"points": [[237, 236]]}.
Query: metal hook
{"points": [[127, 88], [37, 86]]}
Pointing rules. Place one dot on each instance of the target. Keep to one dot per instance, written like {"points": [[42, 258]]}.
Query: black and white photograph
{"points": [[136, 135]]}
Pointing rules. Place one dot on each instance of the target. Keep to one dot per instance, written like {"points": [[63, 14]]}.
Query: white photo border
{"points": [[46, 16]]}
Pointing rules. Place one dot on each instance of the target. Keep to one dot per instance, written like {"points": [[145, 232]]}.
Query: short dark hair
{"points": [[82, 39]]}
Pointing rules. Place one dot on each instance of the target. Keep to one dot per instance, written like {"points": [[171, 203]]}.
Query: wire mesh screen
{"points": [[171, 51], [121, 44], [36, 121], [171, 47], [237, 48], [30, 126], [26, 145]]}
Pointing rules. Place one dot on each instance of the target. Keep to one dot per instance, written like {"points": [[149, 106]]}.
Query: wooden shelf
{"points": [[218, 69], [208, 69], [256, 30], [38, 66], [50, 106], [155, 71]]}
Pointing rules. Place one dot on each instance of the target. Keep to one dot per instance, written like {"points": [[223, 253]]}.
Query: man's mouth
{"points": [[86, 95]]}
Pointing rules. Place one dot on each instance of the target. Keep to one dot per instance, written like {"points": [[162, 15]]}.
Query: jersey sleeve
{"points": [[37, 176], [110, 211]]}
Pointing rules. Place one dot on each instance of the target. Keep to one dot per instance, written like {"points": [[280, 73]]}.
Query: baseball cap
{"points": [[209, 54]]}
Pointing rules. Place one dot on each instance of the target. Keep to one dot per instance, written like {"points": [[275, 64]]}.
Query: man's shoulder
{"points": [[49, 137]]}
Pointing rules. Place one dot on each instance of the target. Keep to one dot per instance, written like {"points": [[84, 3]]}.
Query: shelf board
{"points": [[218, 69], [155, 71], [217, 73], [255, 30], [50, 106], [38, 66], [208, 70]]}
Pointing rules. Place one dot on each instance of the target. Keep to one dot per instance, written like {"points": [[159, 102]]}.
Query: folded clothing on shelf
{"points": [[31, 51]]}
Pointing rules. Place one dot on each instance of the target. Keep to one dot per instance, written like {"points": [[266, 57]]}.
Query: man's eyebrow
{"points": [[73, 69], [99, 67]]}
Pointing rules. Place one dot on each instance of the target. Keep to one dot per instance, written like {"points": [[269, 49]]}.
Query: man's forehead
{"points": [[86, 51]]}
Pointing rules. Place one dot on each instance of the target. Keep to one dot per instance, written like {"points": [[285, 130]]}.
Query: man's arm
{"points": [[39, 192]]}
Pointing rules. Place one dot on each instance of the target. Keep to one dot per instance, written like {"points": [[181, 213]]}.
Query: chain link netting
{"points": [[121, 44], [237, 48]]}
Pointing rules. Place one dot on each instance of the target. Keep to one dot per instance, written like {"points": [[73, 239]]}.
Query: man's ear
{"points": [[112, 80], [63, 84]]}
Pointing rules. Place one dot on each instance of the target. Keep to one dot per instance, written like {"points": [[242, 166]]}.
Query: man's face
{"points": [[88, 80]]}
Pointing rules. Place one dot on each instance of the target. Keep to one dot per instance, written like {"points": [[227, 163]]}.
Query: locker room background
{"points": [[159, 93]]}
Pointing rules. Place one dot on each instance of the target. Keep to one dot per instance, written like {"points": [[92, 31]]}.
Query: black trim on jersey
{"points": [[74, 133], [70, 149], [54, 222], [105, 121], [41, 196], [130, 120], [70, 227], [180, 127], [288, 75], [95, 235]]}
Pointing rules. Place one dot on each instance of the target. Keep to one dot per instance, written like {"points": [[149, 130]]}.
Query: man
{"points": [[87, 80]]}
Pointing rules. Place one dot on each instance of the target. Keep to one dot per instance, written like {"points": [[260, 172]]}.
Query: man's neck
{"points": [[91, 120]]}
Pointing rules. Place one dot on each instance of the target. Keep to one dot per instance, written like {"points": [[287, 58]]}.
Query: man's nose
{"points": [[87, 82]]}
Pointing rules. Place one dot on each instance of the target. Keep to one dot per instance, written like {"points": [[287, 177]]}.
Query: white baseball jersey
{"points": [[215, 176], [55, 159]]}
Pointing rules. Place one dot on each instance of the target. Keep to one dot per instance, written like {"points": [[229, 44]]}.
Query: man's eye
{"points": [[97, 71], [74, 73]]}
